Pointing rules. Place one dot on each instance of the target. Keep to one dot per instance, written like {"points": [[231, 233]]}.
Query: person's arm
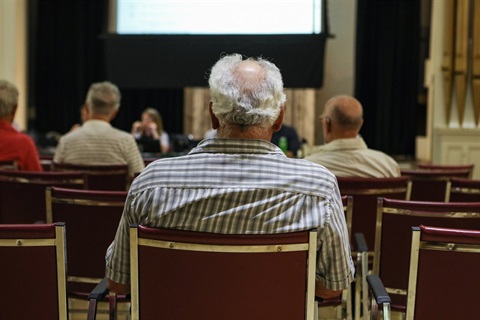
{"points": [[119, 288]]}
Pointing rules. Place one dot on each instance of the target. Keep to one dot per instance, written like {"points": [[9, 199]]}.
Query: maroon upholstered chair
{"points": [[444, 279], [432, 185], [188, 275], [100, 177], [33, 272], [92, 219], [447, 167], [365, 192], [22, 193], [464, 190], [393, 239]]}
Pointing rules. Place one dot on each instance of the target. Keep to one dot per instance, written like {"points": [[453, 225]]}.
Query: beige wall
{"points": [[13, 60]]}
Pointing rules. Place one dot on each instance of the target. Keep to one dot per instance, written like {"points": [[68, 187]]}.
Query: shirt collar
{"points": [[232, 146], [345, 144], [96, 123]]}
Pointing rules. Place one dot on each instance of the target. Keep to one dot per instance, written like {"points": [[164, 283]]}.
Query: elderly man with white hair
{"points": [[239, 182]]}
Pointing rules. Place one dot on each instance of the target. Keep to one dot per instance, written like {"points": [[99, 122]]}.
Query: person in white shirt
{"points": [[345, 153]]}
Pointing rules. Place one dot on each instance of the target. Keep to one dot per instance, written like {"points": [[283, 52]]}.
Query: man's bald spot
{"points": [[249, 71], [345, 110]]}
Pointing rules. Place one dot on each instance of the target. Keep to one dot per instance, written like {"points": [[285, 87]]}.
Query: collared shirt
{"points": [[235, 186], [98, 143], [18, 146], [352, 158]]}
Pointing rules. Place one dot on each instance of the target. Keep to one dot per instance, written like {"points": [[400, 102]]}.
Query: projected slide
{"points": [[219, 17]]}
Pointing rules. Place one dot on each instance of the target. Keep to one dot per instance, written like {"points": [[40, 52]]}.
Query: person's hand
{"points": [[151, 130], [137, 127]]}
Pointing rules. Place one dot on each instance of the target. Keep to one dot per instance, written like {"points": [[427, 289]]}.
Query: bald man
{"points": [[345, 153], [239, 182]]}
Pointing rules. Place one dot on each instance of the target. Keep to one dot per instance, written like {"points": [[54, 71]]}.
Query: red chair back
{"points": [[395, 219], [183, 274], [22, 193], [432, 185], [447, 167], [444, 260], [33, 272], [92, 219], [100, 177], [365, 192], [464, 190]]}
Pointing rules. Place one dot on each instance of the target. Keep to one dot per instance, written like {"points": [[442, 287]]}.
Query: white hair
{"points": [[241, 102], [8, 97], [103, 98]]}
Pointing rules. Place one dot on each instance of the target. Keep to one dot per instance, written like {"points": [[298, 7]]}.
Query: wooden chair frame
{"points": [[165, 242]]}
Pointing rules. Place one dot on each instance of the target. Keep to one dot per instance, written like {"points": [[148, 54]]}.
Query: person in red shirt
{"points": [[15, 145]]}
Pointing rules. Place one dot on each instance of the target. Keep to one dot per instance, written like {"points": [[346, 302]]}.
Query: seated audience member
{"points": [[239, 182], [151, 128], [96, 142], [15, 145], [345, 153], [291, 136]]}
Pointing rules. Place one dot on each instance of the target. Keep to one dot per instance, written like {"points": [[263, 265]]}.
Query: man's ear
{"points": [[277, 125], [213, 118]]}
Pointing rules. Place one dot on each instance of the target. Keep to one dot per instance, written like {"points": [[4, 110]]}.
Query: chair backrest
{"points": [[100, 177], [186, 275], [464, 190], [432, 185], [8, 165], [365, 192], [33, 272], [22, 193], [92, 219], [444, 279], [448, 167], [393, 239]]}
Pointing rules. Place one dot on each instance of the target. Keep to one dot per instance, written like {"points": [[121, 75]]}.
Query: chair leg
{"points": [[112, 306]]}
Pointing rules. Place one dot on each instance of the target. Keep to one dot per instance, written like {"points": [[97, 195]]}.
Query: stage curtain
{"points": [[387, 71]]}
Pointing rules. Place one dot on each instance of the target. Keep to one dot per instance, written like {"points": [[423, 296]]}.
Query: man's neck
{"points": [[249, 132], [100, 117]]}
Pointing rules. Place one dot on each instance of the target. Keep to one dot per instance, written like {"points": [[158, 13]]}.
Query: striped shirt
{"points": [[98, 143], [235, 186]]}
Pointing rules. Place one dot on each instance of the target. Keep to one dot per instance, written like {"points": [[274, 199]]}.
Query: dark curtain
{"points": [[387, 71], [66, 55]]}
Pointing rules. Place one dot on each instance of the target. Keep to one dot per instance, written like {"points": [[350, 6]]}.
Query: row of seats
{"points": [[361, 192], [86, 262]]}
